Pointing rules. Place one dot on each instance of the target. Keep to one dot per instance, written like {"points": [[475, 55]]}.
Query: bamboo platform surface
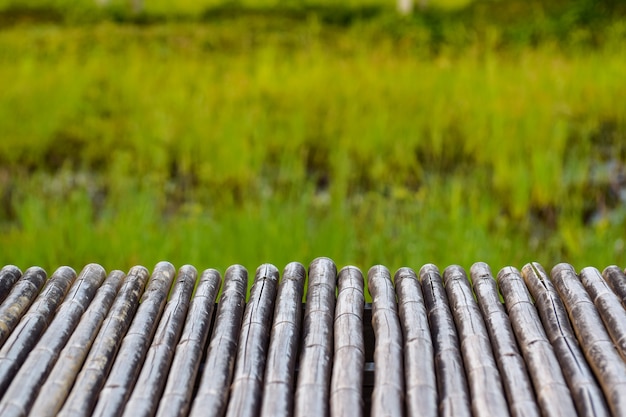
{"points": [[305, 342]]}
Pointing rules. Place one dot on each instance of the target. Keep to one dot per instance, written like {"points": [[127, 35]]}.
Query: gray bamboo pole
{"points": [[132, 352], [419, 356], [616, 279], [517, 385], [212, 396], [176, 398], [246, 390], [25, 386], [312, 391], [487, 393], [597, 345], [26, 334], [553, 395], [58, 383], [283, 350], [388, 394], [346, 384], [84, 394], [9, 275], [17, 302], [144, 399], [608, 305], [588, 397], [454, 397]]}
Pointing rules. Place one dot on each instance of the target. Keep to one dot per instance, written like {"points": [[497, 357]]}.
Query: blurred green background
{"points": [[216, 132]]}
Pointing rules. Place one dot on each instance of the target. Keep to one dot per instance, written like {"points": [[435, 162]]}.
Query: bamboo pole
{"points": [[89, 381], [487, 393], [212, 396], [61, 377], [17, 302], [419, 356], [246, 390], [454, 397], [312, 391], [587, 396], [517, 386], [616, 278], [176, 398], [597, 345], [26, 384], [144, 399], [346, 384], [9, 274], [388, 394], [608, 305], [283, 349], [26, 334], [553, 395], [132, 352]]}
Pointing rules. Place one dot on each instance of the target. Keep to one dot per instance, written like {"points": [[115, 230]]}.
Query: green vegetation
{"points": [[253, 132]]}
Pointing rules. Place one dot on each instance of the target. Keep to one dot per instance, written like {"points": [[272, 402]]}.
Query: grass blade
{"points": [[61, 377], [26, 384], [487, 394], [312, 390], [388, 395], [247, 387], [132, 352], [212, 395], [346, 384], [283, 350], [17, 302], [454, 396], [9, 275], [597, 345], [27, 333], [616, 278], [176, 398], [145, 396], [84, 394], [419, 356], [553, 395], [517, 386]]}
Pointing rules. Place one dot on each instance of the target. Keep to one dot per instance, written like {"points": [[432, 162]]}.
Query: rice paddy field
{"points": [[212, 133]]}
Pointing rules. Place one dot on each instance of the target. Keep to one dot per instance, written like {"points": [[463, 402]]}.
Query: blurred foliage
{"points": [[214, 133]]}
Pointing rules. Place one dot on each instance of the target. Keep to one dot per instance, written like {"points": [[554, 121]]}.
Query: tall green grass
{"points": [[263, 141]]}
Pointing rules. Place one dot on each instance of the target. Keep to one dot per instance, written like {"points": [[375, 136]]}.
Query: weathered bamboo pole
{"points": [[27, 333], [17, 302], [58, 383], [388, 394], [608, 305], [616, 279], [132, 352], [26, 384], [454, 396], [84, 394], [419, 356], [212, 396], [176, 399], [312, 392], [517, 385], [487, 393], [283, 350], [144, 399], [587, 396], [9, 274], [246, 390], [553, 395], [346, 384], [597, 345]]}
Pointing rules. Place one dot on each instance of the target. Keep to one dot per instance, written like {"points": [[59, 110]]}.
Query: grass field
{"points": [[246, 134]]}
